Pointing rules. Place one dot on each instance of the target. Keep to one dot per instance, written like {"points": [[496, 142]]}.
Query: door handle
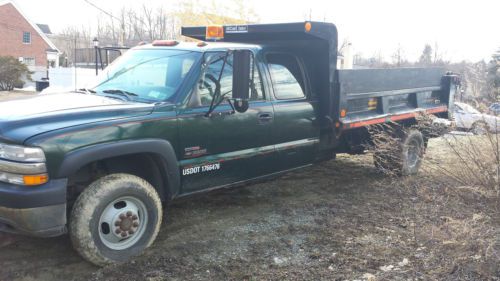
{"points": [[265, 117]]}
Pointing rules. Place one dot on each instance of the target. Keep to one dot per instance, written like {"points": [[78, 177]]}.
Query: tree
{"points": [[398, 57], [494, 77], [426, 56], [11, 73]]}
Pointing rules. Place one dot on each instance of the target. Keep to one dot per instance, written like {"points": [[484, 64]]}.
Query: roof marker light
{"points": [[165, 43], [214, 32], [201, 44]]}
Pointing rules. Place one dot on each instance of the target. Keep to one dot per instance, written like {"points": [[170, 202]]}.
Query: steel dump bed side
{"points": [[371, 96]]}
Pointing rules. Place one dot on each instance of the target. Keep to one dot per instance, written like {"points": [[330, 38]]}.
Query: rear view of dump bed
{"points": [[372, 96]]}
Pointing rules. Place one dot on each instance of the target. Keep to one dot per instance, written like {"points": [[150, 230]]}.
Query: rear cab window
{"points": [[286, 76]]}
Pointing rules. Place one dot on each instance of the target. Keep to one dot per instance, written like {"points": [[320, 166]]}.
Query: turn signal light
{"points": [[35, 179], [214, 32]]}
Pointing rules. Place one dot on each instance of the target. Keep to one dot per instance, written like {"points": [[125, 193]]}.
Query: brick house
{"points": [[21, 38]]}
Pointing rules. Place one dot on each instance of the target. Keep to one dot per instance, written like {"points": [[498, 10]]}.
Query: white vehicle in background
{"points": [[470, 119]]}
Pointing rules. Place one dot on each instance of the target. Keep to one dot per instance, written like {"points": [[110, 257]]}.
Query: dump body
{"points": [[372, 96]]}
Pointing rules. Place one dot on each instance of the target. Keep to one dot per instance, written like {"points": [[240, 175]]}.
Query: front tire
{"points": [[115, 218]]}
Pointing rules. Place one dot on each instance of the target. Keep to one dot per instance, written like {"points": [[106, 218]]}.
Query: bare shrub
{"points": [[470, 160], [387, 141]]}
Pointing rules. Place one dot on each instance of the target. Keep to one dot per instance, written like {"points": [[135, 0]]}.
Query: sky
{"points": [[462, 30]]}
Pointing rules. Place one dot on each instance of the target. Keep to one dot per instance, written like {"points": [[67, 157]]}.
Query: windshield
{"points": [[146, 75]]}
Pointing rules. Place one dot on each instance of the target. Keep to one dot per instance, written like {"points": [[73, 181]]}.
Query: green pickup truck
{"points": [[171, 119]]}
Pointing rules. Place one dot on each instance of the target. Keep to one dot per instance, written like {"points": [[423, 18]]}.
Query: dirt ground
{"points": [[339, 220]]}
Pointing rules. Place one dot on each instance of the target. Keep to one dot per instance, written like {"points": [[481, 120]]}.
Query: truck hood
{"points": [[21, 119]]}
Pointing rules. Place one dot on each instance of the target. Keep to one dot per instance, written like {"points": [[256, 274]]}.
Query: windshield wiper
{"points": [[128, 95]]}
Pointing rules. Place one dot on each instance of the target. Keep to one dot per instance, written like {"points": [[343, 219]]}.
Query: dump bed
{"points": [[371, 96]]}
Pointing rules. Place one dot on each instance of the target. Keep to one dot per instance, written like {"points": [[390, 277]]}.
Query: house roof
{"points": [[35, 27], [44, 28]]}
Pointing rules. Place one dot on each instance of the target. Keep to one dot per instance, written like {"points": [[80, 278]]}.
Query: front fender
{"points": [[77, 159]]}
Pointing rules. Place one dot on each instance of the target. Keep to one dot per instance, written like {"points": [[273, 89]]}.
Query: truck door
{"points": [[294, 132], [225, 147]]}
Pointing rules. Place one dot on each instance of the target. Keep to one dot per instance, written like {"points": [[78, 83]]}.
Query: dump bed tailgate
{"points": [[371, 96]]}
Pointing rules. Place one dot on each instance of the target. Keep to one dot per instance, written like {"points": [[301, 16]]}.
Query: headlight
{"points": [[22, 165], [21, 153]]}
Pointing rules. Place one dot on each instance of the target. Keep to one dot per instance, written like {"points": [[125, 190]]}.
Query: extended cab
{"points": [[170, 119]]}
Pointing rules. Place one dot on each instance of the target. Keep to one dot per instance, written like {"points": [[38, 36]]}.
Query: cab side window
{"points": [[286, 75], [207, 85], [209, 78]]}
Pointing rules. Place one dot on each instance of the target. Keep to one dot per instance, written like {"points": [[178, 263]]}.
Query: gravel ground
{"points": [[339, 220]]}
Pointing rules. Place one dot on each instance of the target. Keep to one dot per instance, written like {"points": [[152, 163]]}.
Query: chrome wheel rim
{"points": [[122, 223]]}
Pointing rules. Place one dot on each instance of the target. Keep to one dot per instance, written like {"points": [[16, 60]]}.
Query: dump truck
{"points": [[168, 119]]}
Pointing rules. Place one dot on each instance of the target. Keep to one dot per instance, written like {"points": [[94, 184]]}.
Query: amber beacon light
{"points": [[214, 32]]}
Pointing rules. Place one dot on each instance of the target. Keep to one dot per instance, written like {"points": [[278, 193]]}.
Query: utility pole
{"points": [[96, 48], [121, 39], [74, 62]]}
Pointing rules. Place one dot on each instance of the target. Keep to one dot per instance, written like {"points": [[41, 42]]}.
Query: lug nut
{"points": [[124, 234], [118, 231], [129, 213], [123, 216], [131, 231], [135, 217], [117, 223], [135, 224]]}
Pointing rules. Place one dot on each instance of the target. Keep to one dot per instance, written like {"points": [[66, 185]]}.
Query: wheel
{"points": [[115, 218], [479, 128], [413, 149], [405, 158]]}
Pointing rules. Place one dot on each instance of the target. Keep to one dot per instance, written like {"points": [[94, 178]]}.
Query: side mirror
{"points": [[241, 79]]}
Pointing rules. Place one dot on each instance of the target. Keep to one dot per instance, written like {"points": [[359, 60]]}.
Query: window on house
{"points": [[29, 61], [27, 37]]}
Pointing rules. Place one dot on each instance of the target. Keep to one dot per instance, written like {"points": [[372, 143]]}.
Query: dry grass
{"points": [[460, 170], [474, 161]]}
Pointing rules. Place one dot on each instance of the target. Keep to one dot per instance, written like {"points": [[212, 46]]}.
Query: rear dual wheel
{"points": [[405, 158], [115, 218]]}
